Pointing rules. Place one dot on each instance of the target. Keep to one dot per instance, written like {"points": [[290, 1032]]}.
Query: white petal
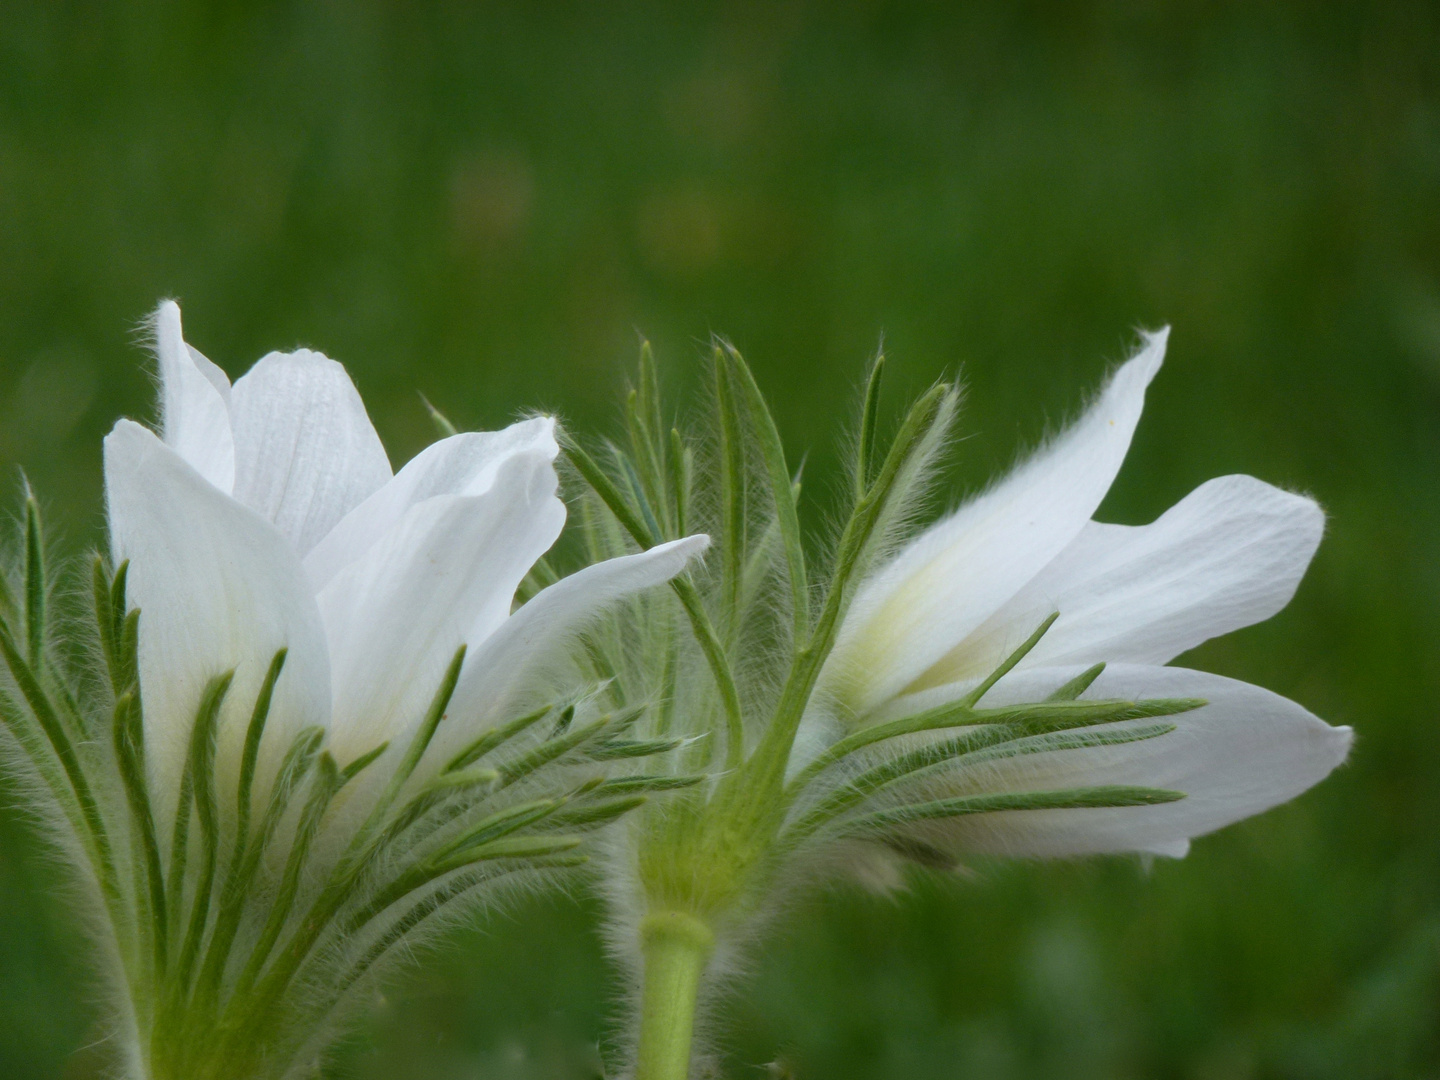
{"points": [[217, 588], [951, 578], [444, 575], [1229, 554], [1244, 752], [193, 393], [212, 371], [464, 464], [536, 635], [305, 452]]}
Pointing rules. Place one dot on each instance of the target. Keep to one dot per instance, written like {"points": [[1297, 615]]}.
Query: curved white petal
{"points": [[217, 588], [1244, 752], [464, 464], [194, 416], [305, 452], [1231, 553], [444, 575], [953, 576], [500, 672]]}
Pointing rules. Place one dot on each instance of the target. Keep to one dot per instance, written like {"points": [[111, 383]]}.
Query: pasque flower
{"points": [[265, 516], [994, 684], [928, 627], [304, 721]]}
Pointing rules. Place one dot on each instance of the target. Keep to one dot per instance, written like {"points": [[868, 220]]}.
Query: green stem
{"points": [[676, 948]]}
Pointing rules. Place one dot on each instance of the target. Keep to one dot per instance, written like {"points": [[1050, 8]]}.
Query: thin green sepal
{"points": [[869, 426], [1078, 685], [1008, 664], [442, 423], [782, 492], [1084, 798], [35, 583]]}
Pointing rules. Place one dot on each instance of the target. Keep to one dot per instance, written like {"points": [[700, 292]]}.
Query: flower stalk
{"points": [[676, 948]]}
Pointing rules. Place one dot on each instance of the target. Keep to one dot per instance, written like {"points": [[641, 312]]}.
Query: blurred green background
{"points": [[487, 202]]}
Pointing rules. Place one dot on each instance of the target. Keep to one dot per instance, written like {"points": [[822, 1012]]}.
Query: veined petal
{"points": [[1231, 553], [217, 588], [1244, 752], [194, 415], [444, 575], [464, 464], [957, 573], [305, 451], [534, 637]]}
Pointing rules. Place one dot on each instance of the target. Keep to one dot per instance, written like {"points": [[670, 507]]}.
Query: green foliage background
{"points": [[485, 202]]}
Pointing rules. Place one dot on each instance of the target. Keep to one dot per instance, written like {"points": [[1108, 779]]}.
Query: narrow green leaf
{"points": [[650, 481], [299, 758], [201, 770], [465, 778], [1084, 798], [129, 641], [1008, 664], [129, 737], [442, 423], [682, 469], [361, 763], [782, 487], [324, 784], [520, 847], [609, 494], [630, 785], [254, 732], [732, 497], [594, 814], [35, 582], [563, 722], [1024, 719], [549, 751], [105, 619], [419, 743], [649, 393], [637, 488], [972, 747], [501, 823], [625, 748], [1078, 685], [118, 603], [869, 425], [495, 738], [1046, 742], [95, 836]]}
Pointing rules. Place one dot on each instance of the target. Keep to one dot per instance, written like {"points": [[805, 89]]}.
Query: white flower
{"points": [[954, 602], [265, 516]]}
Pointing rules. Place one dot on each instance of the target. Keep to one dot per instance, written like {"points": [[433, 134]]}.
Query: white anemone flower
{"points": [[265, 516], [945, 612], [304, 706], [996, 686]]}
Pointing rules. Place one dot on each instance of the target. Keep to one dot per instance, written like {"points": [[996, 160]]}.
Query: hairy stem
{"points": [[676, 948]]}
